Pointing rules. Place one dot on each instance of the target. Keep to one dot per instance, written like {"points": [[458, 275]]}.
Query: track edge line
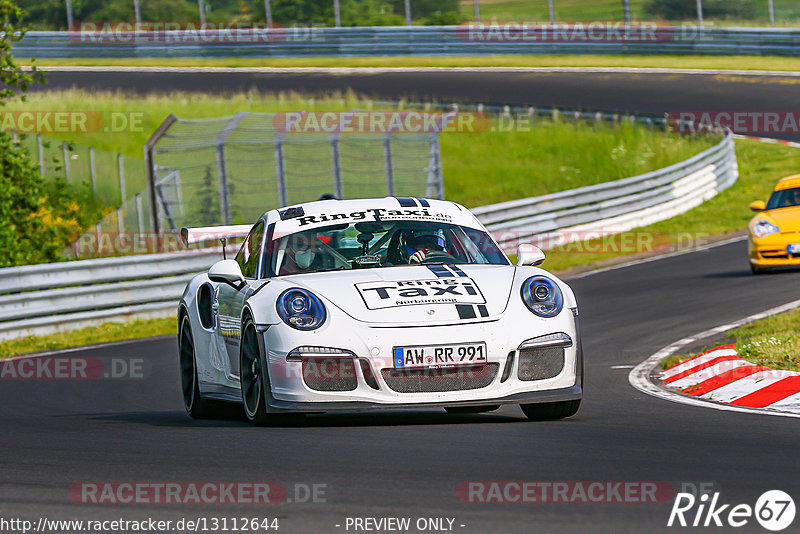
{"points": [[639, 377]]}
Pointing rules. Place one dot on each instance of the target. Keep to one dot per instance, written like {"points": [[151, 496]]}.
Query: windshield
{"points": [[786, 198], [370, 245]]}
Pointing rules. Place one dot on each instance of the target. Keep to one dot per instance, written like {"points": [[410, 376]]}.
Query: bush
{"points": [[431, 12], [687, 9], [38, 218]]}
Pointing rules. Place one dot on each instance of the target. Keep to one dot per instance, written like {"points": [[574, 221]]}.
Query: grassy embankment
{"points": [[787, 12], [772, 342], [635, 61], [479, 168]]}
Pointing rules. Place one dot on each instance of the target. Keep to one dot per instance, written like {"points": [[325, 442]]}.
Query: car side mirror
{"points": [[758, 205], [226, 271], [528, 254]]}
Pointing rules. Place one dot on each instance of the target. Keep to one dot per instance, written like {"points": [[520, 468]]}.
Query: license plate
{"points": [[794, 248], [427, 356]]}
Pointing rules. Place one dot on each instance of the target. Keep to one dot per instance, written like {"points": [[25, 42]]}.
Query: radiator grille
{"points": [[330, 374], [539, 364], [435, 380]]}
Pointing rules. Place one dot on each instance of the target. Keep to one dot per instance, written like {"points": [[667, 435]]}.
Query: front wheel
{"points": [[551, 410], [252, 372], [255, 385], [196, 406]]}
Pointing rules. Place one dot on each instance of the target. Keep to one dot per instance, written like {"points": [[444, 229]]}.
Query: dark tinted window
{"points": [[248, 255], [785, 198]]}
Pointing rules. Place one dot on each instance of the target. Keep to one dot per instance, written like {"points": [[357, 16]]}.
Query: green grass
{"points": [[773, 342], [760, 167], [565, 10], [104, 333], [640, 61], [479, 168], [787, 12], [489, 167]]}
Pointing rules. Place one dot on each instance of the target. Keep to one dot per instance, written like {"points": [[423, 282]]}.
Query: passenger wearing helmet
{"points": [[302, 254], [420, 245]]}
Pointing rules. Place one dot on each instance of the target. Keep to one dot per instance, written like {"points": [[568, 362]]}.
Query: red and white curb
{"points": [[719, 379], [769, 140], [720, 375]]}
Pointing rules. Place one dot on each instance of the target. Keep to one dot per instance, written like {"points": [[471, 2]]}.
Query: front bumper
{"points": [[556, 395], [503, 336], [773, 250]]}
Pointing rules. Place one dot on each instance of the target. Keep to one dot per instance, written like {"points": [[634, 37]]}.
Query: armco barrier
{"points": [[40, 299], [415, 40], [619, 205], [88, 292]]}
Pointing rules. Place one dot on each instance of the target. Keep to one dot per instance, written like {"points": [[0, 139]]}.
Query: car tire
{"points": [[471, 409], [196, 406], [255, 385], [551, 410]]}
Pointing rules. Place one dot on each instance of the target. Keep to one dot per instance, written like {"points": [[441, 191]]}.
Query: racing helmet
{"points": [[428, 240]]}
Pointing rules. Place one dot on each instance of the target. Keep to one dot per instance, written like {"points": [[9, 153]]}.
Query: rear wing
{"points": [[190, 236]]}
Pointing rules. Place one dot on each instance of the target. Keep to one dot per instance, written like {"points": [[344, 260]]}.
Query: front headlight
{"points": [[542, 296], [762, 228], [301, 309]]}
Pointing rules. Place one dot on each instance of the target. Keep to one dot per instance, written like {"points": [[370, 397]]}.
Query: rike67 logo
{"points": [[774, 510]]}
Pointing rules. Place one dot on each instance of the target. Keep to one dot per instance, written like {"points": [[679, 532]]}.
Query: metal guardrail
{"points": [[616, 206], [41, 299], [415, 40]]}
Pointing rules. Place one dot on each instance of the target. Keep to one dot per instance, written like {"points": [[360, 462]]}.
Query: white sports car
{"points": [[344, 305]]}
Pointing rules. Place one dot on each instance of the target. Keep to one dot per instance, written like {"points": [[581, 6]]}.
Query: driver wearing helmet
{"points": [[419, 245]]}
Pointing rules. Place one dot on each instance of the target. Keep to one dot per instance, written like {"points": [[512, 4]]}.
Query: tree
{"points": [[35, 217], [431, 11], [687, 9], [208, 200]]}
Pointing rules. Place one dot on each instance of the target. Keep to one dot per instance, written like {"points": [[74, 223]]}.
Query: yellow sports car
{"points": [[775, 231]]}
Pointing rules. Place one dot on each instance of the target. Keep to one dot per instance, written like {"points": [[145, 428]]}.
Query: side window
{"points": [[247, 258]]}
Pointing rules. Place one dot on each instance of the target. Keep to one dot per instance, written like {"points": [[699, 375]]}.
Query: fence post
{"points": [[222, 176], [41, 154], [178, 193], [120, 222], [139, 218], [435, 186], [97, 234], [280, 171], [388, 164], [149, 167], [337, 167], [92, 171], [121, 167], [66, 160]]}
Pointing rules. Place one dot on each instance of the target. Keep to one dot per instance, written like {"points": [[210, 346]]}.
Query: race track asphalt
{"points": [[59, 433], [54, 434], [613, 92]]}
